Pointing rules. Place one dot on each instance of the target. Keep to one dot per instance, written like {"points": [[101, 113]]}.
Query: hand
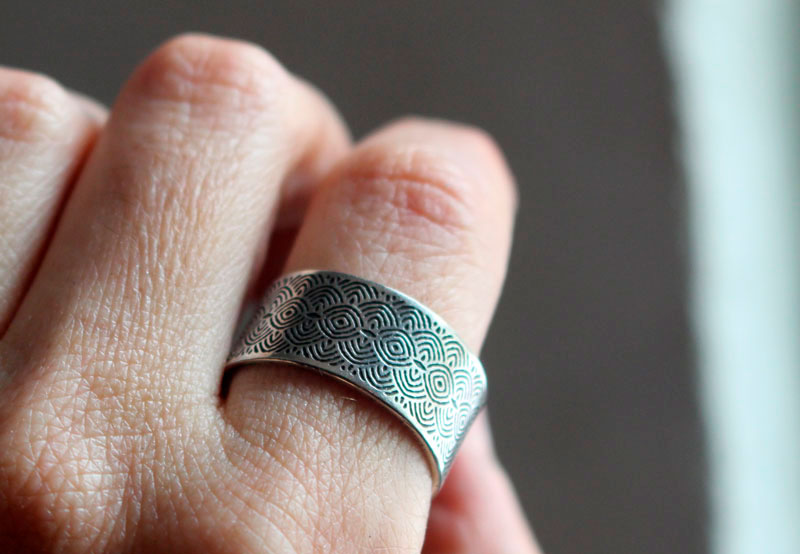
{"points": [[122, 279]]}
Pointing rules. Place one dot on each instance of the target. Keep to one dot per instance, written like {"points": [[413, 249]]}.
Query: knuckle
{"points": [[199, 69], [478, 150], [478, 140], [412, 184], [486, 146], [33, 107]]}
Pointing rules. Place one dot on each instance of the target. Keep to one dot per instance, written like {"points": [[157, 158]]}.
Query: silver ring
{"points": [[378, 340]]}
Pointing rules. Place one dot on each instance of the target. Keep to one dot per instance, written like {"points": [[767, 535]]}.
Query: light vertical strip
{"points": [[735, 65]]}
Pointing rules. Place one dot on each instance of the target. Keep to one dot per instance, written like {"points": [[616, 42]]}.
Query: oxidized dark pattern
{"points": [[378, 340]]}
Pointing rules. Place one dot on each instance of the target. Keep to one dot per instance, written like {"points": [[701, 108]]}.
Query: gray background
{"points": [[590, 358]]}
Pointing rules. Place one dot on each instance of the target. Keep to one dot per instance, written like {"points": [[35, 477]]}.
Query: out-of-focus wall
{"points": [[589, 357], [736, 65]]}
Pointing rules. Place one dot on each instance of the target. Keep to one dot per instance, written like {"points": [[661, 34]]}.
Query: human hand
{"points": [[122, 280]]}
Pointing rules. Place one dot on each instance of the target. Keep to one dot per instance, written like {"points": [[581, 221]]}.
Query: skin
{"points": [[129, 243]]}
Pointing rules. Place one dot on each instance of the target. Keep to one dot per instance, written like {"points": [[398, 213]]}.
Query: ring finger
{"points": [[423, 207]]}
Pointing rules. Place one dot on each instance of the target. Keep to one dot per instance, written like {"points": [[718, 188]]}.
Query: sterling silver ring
{"points": [[379, 340]]}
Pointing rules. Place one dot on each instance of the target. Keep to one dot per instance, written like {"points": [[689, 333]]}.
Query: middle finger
{"points": [[144, 279]]}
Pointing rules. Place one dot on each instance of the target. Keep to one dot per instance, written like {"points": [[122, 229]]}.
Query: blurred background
{"points": [[591, 359]]}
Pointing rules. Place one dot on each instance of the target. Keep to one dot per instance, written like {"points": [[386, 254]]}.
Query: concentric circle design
{"points": [[289, 313], [380, 341], [341, 322], [394, 348], [439, 383]]}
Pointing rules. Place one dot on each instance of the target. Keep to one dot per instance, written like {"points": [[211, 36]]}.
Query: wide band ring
{"points": [[379, 340]]}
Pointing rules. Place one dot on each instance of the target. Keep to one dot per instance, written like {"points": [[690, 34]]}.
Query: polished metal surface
{"points": [[378, 340]]}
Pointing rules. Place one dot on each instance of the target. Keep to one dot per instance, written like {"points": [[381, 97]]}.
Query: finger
{"points": [[420, 206], [45, 132], [158, 241], [477, 509]]}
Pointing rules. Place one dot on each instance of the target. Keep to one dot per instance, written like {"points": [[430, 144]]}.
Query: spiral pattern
{"points": [[380, 341]]}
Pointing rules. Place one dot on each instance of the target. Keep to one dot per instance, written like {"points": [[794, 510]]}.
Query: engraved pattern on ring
{"points": [[379, 340]]}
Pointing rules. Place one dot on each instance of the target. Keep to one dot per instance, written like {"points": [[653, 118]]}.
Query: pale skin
{"points": [[129, 242]]}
